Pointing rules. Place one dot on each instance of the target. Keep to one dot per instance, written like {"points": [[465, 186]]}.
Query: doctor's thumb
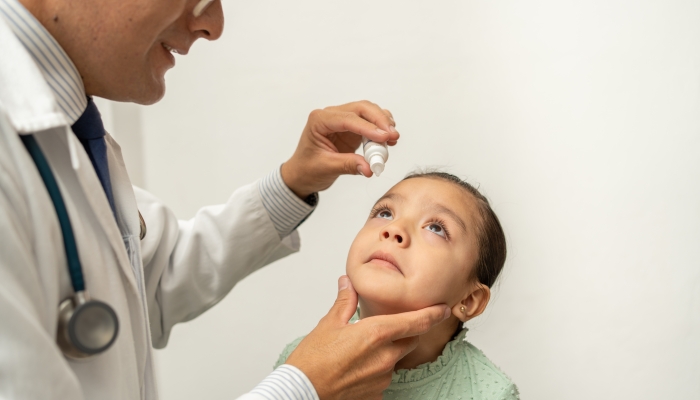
{"points": [[349, 164], [346, 302]]}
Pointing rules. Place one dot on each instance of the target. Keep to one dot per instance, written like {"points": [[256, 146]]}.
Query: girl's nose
{"points": [[392, 232]]}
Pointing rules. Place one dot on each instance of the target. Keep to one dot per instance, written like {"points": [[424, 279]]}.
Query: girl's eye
{"points": [[436, 229], [386, 214]]}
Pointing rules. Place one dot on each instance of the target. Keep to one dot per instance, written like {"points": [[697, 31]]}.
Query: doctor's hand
{"points": [[355, 361], [328, 143]]}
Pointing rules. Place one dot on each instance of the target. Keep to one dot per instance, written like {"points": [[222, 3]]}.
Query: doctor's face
{"points": [[122, 48], [418, 248]]}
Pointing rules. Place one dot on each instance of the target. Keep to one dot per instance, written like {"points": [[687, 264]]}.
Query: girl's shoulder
{"points": [[462, 371], [486, 376], [288, 349]]}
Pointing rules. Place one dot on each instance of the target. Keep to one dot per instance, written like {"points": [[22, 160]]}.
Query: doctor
{"points": [[95, 273]]}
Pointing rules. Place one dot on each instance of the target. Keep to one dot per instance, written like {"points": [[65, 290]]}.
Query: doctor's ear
{"points": [[473, 303]]}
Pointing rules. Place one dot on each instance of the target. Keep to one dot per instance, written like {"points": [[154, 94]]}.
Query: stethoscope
{"points": [[86, 326]]}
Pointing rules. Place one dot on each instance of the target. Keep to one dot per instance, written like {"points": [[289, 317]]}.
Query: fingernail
{"points": [[382, 132], [343, 283], [447, 313], [392, 129], [359, 170]]}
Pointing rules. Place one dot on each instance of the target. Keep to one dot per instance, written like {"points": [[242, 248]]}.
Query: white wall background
{"points": [[580, 121]]}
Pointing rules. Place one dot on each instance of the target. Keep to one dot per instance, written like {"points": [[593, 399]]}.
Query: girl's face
{"points": [[417, 248]]}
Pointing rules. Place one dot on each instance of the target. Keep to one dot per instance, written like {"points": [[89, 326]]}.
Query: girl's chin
{"points": [[381, 293], [378, 290], [378, 299], [382, 303]]}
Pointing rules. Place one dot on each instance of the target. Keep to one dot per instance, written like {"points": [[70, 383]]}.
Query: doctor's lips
{"points": [[385, 260]]}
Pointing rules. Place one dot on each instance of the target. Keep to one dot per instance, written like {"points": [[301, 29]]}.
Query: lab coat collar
{"points": [[24, 94], [59, 72]]}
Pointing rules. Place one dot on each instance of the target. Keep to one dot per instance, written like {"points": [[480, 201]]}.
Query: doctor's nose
{"points": [[210, 24], [395, 233]]}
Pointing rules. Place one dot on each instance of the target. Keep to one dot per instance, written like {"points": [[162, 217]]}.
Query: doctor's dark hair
{"points": [[491, 239]]}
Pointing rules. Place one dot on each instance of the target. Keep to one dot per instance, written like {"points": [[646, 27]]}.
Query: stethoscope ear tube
{"points": [[85, 326]]}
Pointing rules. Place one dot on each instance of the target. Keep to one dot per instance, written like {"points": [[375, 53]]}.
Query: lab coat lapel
{"points": [[124, 199], [128, 220]]}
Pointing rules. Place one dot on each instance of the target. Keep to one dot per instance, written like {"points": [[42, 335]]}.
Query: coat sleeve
{"points": [[286, 382], [191, 265]]}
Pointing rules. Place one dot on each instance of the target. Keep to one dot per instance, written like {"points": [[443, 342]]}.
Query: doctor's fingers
{"points": [[391, 116], [408, 324], [388, 113], [375, 126], [345, 304], [371, 112], [404, 346]]}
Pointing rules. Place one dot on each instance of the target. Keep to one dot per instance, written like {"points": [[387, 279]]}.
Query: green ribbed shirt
{"points": [[461, 372]]}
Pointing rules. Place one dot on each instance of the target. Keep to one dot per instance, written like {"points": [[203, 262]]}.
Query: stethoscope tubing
{"points": [[74, 267]]}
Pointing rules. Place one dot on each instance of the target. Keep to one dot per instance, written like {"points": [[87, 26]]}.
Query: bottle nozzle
{"points": [[376, 164]]}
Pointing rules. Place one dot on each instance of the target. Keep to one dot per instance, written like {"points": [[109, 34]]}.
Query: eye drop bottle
{"points": [[376, 154]]}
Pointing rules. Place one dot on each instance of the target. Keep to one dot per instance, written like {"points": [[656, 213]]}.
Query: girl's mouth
{"points": [[386, 260]]}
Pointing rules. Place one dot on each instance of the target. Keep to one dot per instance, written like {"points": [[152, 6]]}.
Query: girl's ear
{"points": [[473, 304]]}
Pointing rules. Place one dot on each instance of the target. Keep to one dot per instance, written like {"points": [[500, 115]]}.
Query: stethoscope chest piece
{"points": [[85, 327]]}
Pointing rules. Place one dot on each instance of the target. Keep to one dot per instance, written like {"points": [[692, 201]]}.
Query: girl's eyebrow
{"points": [[389, 196]]}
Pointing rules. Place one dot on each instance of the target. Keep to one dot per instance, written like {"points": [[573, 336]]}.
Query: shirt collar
{"points": [[57, 68]]}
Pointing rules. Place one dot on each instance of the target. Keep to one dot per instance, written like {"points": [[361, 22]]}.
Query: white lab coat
{"points": [[177, 272]]}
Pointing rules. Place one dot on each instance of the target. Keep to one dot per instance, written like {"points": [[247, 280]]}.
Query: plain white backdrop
{"points": [[579, 120]]}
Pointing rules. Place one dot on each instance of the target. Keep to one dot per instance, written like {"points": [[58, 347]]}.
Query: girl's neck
{"points": [[431, 344]]}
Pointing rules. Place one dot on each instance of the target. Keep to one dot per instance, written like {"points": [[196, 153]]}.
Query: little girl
{"points": [[431, 239]]}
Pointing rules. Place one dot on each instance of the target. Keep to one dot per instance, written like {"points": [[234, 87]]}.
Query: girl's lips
{"points": [[386, 260]]}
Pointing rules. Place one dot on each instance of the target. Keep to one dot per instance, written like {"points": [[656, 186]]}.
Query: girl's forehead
{"points": [[433, 187]]}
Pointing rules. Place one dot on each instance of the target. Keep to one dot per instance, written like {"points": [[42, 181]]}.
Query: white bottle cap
{"points": [[376, 164]]}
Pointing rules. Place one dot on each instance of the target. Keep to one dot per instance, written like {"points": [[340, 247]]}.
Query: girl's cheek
{"points": [[438, 259]]}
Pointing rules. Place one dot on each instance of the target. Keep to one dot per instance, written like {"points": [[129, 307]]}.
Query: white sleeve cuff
{"points": [[285, 383], [285, 208]]}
